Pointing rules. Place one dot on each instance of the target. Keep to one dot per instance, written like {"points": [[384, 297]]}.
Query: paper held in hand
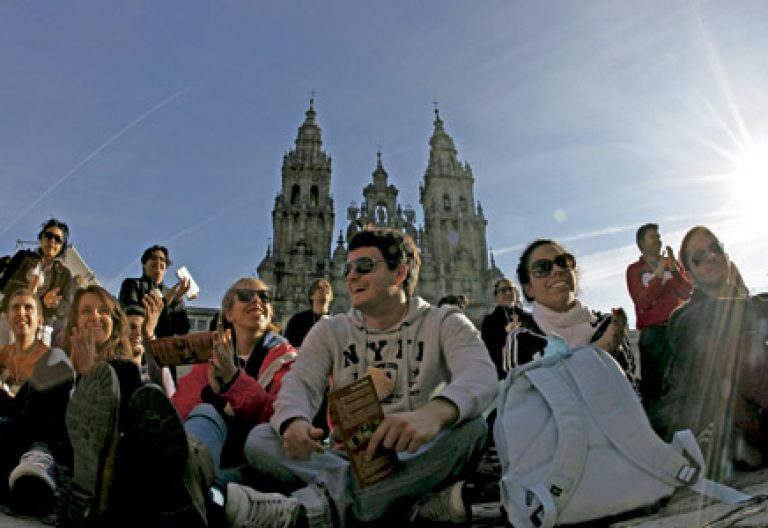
{"points": [[356, 413]]}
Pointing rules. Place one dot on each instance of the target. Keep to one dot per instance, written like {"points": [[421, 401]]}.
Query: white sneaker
{"points": [[33, 482], [247, 507], [447, 505], [37, 463]]}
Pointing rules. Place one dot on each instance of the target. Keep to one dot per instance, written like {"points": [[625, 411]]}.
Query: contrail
{"points": [[121, 274], [92, 155]]}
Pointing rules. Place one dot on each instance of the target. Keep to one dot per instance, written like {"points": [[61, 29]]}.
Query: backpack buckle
{"points": [[688, 473]]}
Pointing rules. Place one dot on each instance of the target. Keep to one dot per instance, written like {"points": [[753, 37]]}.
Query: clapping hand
{"points": [[177, 292], [513, 324], [83, 350], [51, 299], [153, 307], [223, 368], [615, 334]]}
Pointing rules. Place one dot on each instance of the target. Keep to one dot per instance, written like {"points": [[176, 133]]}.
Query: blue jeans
{"points": [[325, 484], [207, 425]]}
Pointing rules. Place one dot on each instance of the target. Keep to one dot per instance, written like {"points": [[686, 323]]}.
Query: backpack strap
{"points": [[559, 483], [684, 442]]}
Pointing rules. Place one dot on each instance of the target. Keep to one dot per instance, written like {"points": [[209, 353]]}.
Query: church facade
{"points": [[451, 238]]}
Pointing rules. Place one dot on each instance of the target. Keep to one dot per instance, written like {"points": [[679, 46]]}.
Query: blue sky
{"points": [[142, 122]]}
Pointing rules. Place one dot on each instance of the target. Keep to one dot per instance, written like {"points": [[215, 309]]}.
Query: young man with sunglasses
{"points": [[437, 430], [657, 285], [502, 320], [43, 272], [716, 385]]}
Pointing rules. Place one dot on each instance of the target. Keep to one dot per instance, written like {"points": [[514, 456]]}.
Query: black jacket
{"points": [[173, 319], [494, 334], [15, 278]]}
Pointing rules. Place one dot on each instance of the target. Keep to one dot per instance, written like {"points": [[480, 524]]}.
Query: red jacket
{"points": [[251, 399], [655, 299]]}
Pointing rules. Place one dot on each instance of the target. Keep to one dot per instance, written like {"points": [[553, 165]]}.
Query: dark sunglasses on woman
{"points": [[245, 295], [701, 255], [53, 236], [542, 268]]}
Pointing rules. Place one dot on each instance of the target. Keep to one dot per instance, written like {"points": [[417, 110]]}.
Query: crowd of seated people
{"points": [[91, 424]]}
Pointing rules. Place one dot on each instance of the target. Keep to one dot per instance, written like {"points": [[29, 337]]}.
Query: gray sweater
{"points": [[431, 352]]}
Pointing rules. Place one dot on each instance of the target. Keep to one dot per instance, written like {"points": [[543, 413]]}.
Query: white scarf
{"points": [[574, 326]]}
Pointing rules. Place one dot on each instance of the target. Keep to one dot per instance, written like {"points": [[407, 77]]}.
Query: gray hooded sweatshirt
{"points": [[430, 352]]}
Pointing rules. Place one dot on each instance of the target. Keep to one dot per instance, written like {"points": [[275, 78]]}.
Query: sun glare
{"points": [[749, 182]]}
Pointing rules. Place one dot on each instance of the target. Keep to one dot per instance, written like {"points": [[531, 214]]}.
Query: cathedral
{"points": [[452, 241]]}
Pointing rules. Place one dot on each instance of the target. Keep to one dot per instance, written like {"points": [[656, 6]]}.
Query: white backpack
{"points": [[575, 444]]}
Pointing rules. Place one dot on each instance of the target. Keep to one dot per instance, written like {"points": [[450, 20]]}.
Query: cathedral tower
{"points": [[302, 221], [454, 238]]}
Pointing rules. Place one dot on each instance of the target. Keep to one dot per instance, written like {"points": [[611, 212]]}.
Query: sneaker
{"points": [[158, 459], [33, 482], [247, 507], [91, 420], [447, 505]]}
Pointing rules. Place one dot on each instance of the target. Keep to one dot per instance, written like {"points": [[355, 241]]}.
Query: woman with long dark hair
{"points": [[548, 276]]}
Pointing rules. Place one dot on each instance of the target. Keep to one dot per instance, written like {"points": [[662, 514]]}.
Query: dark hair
{"points": [[523, 275], [117, 344], [642, 230], [687, 239], [461, 301], [315, 285], [148, 254], [396, 248], [134, 309], [54, 222], [26, 292]]}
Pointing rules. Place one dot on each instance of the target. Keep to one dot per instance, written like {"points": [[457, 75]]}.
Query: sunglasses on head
{"points": [[246, 295], [53, 236], [701, 255], [361, 265], [542, 268]]}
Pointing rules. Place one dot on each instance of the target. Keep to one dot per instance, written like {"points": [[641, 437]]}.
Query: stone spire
{"points": [[443, 158], [379, 175], [308, 138]]}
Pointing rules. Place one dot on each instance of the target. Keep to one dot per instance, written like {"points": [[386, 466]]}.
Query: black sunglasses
{"points": [[361, 265], [246, 295], [542, 268], [506, 289], [53, 236], [701, 255]]}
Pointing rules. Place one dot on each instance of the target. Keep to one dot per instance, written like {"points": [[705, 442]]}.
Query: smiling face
{"points": [[379, 289], [557, 291], [135, 323], [156, 266], [253, 315], [24, 317], [93, 315], [51, 242], [707, 262]]}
